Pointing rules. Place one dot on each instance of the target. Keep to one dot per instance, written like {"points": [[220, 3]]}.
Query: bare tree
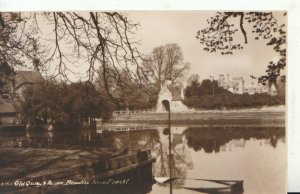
{"points": [[222, 28], [72, 40], [19, 45], [165, 62]]}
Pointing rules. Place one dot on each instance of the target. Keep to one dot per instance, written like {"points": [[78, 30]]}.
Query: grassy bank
{"points": [[203, 118]]}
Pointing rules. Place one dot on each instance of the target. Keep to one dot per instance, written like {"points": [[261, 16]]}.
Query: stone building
{"points": [[172, 94]]}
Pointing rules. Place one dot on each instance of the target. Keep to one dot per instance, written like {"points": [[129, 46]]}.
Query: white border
{"points": [[292, 6], [42, 5]]}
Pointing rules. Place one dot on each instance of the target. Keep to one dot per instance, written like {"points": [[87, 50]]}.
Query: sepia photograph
{"points": [[143, 102]]}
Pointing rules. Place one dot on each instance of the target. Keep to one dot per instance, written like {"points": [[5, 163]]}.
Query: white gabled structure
{"points": [[172, 94]]}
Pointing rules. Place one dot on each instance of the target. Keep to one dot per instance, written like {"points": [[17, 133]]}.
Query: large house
{"points": [[234, 85], [171, 94]]}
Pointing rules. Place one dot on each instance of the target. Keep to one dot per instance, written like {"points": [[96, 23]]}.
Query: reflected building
{"points": [[239, 143], [180, 158], [235, 143]]}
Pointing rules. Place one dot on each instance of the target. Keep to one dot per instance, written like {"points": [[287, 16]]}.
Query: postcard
{"points": [[143, 102]]}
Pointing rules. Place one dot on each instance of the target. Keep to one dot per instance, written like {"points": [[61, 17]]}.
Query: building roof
{"points": [[27, 77]]}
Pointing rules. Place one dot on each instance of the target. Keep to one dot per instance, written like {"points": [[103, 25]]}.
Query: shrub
{"points": [[228, 100]]}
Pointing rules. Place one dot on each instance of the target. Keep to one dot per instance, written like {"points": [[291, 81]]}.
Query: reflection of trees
{"points": [[144, 139], [84, 138], [21, 138], [210, 139]]}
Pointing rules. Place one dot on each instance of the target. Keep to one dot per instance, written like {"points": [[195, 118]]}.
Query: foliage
{"points": [[207, 87], [193, 87], [165, 62], [139, 102], [193, 78], [66, 105], [229, 100], [220, 35]]}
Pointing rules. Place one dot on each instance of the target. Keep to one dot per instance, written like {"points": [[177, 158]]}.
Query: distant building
{"points": [[222, 82], [25, 79], [10, 99], [238, 85], [261, 88], [172, 94], [234, 85], [252, 89], [12, 94]]}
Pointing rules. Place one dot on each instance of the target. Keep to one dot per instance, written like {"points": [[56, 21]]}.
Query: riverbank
{"points": [[276, 118]]}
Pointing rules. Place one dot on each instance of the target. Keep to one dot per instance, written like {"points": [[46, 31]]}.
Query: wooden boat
{"points": [[207, 185]]}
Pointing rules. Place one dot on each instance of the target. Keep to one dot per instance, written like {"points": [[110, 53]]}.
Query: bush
{"points": [[67, 105], [219, 101]]}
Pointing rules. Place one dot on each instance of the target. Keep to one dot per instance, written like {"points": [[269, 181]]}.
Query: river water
{"points": [[256, 155]]}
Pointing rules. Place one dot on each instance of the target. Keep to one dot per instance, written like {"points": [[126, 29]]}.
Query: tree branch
{"points": [[242, 27]]}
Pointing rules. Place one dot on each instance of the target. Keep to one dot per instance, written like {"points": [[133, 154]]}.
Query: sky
{"points": [[180, 27], [162, 27]]}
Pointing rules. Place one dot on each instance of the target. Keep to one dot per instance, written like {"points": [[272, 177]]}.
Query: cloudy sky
{"points": [[162, 27]]}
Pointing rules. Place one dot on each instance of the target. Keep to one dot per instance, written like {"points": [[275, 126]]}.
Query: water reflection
{"points": [[197, 152], [212, 139], [180, 159]]}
